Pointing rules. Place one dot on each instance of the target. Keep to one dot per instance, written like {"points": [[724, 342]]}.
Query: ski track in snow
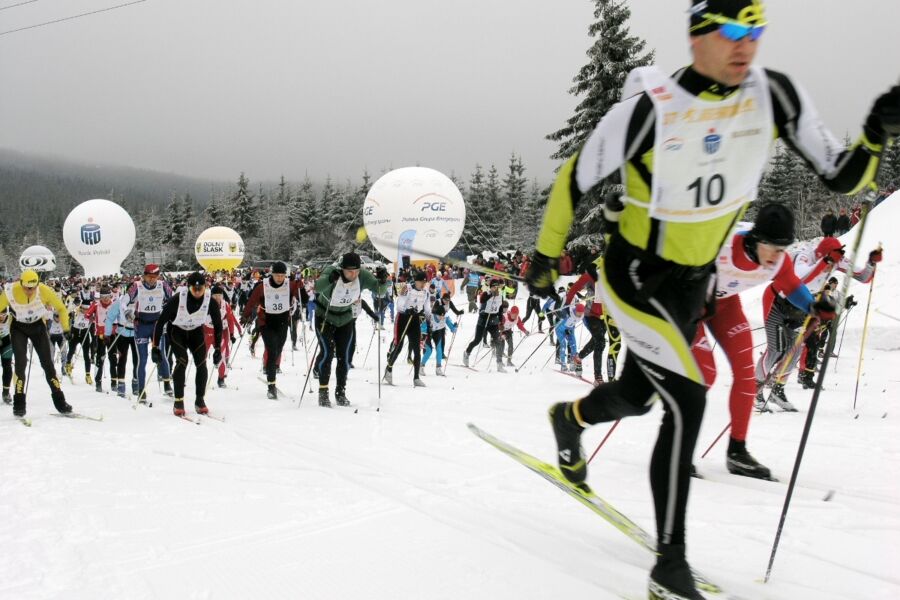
{"points": [[277, 502]]}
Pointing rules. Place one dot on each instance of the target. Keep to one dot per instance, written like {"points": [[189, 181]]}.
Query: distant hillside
{"points": [[39, 192]]}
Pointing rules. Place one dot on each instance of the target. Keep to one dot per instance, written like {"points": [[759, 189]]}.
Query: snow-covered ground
{"points": [[281, 502]]}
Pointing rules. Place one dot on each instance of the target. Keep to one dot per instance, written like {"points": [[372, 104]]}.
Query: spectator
{"points": [[565, 264], [843, 223], [854, 216], [829, 223]]}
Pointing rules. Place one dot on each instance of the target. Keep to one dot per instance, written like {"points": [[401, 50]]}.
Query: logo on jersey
{"points": [[90, 233], [712, 142], [673, 144], [661, 94]]}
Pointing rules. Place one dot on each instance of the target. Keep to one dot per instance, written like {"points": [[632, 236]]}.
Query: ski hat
{"points": [[351, 261], [747, 12], [513, 312], [438, 310], [29, 279], [494, 281], [579, 310], [105, 292], [217, 289], [774, 225], [196, 279], [419, 276], [151, 269], [279, 267], [830, 245]]}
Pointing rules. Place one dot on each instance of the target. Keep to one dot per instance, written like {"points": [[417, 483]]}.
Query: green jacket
{"points": [[338, 316]]}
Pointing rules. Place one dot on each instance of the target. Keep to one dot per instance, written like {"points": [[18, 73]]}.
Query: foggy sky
{"points": [[210, 88]]}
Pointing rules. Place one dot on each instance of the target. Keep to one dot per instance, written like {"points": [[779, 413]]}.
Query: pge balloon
{"points": [[219, 249], [37, 258], [416, 212], [99, 234]]}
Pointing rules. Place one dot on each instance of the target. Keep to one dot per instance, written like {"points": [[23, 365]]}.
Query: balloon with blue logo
{"points": [[37, 258], [100, 235], [414, 212]]}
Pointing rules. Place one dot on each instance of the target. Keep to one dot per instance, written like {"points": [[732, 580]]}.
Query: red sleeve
{"points": [[786, 280], [577, 287], [521, 326], [256, 297], [89, 313]]}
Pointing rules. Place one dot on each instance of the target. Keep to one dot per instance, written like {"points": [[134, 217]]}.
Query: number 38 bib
{"points": [[709, 156]]}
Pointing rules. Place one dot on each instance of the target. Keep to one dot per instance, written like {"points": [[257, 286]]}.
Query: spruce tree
{"points": [[514, 204], [243, 210], [614, 53], [216, 211], [474, 207]]}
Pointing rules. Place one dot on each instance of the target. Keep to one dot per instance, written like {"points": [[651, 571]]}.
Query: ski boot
{"points": [[272, 392], [221, 382], [167, 388], [88, 379], [759, 403], [19, 405], [252, 351], [509, 362], [293, 347], [439, 371], [421, 370], [7, 399], [340, 397], [120, 390], [99, 386], [568, 432], [741, 462], [323, 397], [200, 407], [576, 361], [671, 577], [388, 377], [598, 380], [465, 359], [780, 399], [500, 368], [69, 369], [134, 387], [418, 382], [178, 407], [806, 379]]}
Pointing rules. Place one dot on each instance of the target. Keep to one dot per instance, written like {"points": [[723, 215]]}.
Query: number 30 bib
{"points": [[709, 156]]}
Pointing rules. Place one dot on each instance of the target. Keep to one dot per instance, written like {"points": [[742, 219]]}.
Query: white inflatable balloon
{"points": [[416, 212], [99, 234], [37, 258]]}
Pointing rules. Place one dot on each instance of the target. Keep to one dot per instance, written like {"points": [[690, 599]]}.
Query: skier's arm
{"points": [[48, 296], [111, 316], [450, 325], [578, 286], [864, 275], [521, 325], [365, 306], [170, 309], [787, 282], [455, 310], [216, 315], [798, 124], [255, 298]]}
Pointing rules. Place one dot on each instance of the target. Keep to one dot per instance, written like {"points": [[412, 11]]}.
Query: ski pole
{"points": [[541, 343], [371, 339], [843, 331], [28, 375], [603, 441], [716, 441], [862, 344], [819, 380]]}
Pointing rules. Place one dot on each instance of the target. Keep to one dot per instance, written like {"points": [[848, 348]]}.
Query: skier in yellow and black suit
{"points": [[691, 149], [26, 300]]}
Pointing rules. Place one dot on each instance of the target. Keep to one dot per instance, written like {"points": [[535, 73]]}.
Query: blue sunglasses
{"points": [[735, 30]]}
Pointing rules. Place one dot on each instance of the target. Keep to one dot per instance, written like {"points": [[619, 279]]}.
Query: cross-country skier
{"points": [[413, 305], [26, 300], [120, 324], [146, 298], [598, 324], [508, 323], [230, 327], [567, 350], [80, 336], [184, 314], [723, 112], [488, 323], [440, 322], [338, 288], [96, 314], [274, 298]]}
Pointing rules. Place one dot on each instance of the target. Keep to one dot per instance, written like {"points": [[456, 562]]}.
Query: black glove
{"points": [[825, 308], [850, 303], [612, 208], [884, 119], [334, 276], [155, 355], [875, 256], [217, 356], [68, 335], [233, 340], [542, 274]]}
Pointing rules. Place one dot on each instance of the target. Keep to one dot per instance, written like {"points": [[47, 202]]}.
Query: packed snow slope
{"points": [[281, 501]]}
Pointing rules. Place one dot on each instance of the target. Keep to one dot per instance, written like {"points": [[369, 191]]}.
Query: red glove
{"points": [[875, 256]]}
